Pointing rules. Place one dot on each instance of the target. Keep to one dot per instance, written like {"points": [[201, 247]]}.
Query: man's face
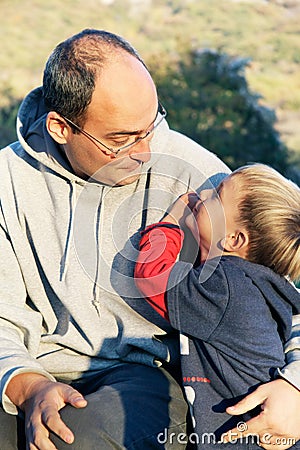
{"points": [[124, 107]]}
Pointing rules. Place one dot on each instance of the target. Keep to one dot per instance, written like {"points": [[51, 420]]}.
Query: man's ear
{"points": [[57, 128], [236, 242]]}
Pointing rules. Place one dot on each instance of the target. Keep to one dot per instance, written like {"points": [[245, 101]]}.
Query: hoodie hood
{"points": [[35, 139], [279, 293]]}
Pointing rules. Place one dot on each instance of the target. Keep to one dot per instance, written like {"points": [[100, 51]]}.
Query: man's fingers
{"points": [[248, 403], [43, 415], [67, 394], [76, 399], [254, 430], [268, 442], [38, 437], [52, 420], [276, 432], [41, 443], [51, 417], [244, 429]]}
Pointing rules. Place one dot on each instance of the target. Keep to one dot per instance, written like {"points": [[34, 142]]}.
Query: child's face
{"points": [[214, 217]]}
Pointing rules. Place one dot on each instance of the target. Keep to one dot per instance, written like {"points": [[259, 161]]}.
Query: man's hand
{"points": [[41, 399], [278, 424]]}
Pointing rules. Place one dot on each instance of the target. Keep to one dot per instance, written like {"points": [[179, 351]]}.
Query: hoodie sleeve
{"points": [[20, 327]]}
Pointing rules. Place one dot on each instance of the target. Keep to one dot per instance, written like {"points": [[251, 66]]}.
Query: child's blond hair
{"points": [[269, 209]]}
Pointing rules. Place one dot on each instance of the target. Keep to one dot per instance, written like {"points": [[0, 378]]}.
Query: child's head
{"points": [[261, 209], [269, 209]]}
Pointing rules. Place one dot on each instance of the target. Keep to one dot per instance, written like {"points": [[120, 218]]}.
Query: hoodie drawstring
{"points": [[145, 201], [96, 301], [65, 258], [66, 254]]}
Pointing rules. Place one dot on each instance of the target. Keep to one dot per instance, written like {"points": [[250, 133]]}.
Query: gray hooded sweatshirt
{"points": [[69, 306]]}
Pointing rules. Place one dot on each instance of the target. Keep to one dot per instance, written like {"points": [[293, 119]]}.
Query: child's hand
{"points": [[181, 208]]}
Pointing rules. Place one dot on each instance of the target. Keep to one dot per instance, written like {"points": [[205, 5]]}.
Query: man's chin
{"points": [[128, 180], [114, 176]]}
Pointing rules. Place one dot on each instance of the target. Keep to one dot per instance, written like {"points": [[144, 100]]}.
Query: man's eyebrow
{"points": [[130, 133], [123, 133]]}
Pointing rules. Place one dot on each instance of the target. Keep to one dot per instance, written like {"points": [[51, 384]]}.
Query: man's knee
{"points": [[137, 410]]}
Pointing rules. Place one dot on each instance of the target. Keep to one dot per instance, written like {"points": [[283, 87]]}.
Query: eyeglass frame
{"points": [[160, 110]]}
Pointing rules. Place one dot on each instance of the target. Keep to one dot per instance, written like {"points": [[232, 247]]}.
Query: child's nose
{"points": [[205, 194]]}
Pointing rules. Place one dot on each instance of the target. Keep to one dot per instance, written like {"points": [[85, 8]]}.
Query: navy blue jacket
{"points": [[233, 327]]}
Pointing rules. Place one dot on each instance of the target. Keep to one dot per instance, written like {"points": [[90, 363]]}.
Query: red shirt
{"points": [[159, 248]]}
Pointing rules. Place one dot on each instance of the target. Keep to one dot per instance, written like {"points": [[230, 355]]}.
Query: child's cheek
{"points": [[191, 223]]}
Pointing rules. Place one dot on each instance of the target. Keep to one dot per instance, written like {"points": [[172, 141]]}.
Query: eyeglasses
{"points": [[161, 114]]}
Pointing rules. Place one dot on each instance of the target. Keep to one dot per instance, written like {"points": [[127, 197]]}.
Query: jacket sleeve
{"points": [[20, 327], [159, 247], [291, 372]]}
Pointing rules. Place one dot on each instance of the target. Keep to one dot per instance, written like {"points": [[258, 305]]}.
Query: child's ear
{"points": [[236, 242]]}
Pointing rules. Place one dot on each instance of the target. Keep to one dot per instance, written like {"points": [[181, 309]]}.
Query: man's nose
{"points": [[141, 151]]}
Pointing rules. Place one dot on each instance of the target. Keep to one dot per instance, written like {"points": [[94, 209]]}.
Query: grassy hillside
{"points": [[266, 31]]}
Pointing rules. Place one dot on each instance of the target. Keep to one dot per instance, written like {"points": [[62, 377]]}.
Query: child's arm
{"points": [[159, 248]]}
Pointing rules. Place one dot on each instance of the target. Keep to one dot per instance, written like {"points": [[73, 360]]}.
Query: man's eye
{"points": [[119, 142]]}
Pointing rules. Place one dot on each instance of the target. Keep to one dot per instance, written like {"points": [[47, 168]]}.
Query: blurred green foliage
{"points": [[8, 114], [208, 98]]}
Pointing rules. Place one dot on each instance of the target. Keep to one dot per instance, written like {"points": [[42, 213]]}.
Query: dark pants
{"points": [[129, 407]]}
